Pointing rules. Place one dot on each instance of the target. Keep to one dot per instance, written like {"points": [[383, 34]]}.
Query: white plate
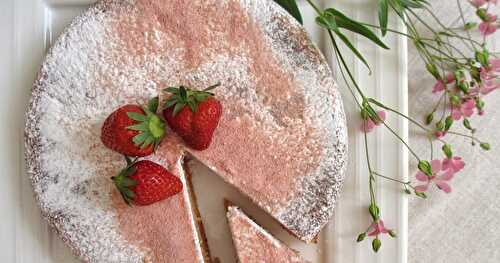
{"points": [[28, 27]]}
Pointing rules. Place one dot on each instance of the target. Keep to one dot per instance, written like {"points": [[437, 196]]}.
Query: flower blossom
{"points": [[455, 163], [466, 109], [488, 26], [441, 85], [368, 124], [489, 77], [479, 3], [378, 228], [440, 177]]}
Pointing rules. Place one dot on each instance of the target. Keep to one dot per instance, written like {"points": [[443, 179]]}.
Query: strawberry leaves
{"points": [[123, 182], [150, 127], [184, 96]]}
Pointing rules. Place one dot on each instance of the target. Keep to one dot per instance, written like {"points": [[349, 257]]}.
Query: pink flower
{"points": [[378, 228], [456, 164], [488, 26], [489, 77], [368, 124], [465, 110], [440, 85], [479, 3], [439, 177], [439, 134]]}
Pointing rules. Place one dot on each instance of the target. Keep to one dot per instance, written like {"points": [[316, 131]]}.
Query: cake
{"points": [[254, 244], [281, 140]]}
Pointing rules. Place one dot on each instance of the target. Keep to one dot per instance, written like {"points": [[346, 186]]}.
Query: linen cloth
{"points": [[462, 226]]}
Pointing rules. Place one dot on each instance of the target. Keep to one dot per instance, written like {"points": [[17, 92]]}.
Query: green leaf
{"points": [[183, 93], [193, 105], [140, 138], [149, 140], [153, 104], [412, 3], [352, 48], [212, 87], [172, 90], [128, 182], [178, 107], [170, 101], [324, 22], [383, 14], [291, 7], [143, 126], [137, 116], [343, 21]]}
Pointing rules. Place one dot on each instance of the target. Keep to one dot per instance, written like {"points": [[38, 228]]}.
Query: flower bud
{"points": [[455, 100], [376, 244], [464, 87], [485, 146], [421, 195], [425, 167], [470, 25], [374, 212], [447, 151], [429, 118], [482, 13], [364, 114], [480, 104], [448, 123], [407, 191], [440, 125], [433, 70], [482, 57], [361, 237], [392, 233], [467, 124]]}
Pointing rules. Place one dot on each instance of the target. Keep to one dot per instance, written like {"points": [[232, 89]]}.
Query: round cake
{"points": [[281, 140]]}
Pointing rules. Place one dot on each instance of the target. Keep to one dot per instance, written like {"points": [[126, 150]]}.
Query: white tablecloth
{"points": [[461, 226]]}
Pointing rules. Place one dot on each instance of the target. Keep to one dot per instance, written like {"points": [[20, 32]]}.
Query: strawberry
{"points": [[196, 123], [133, 131], [145, 182]]}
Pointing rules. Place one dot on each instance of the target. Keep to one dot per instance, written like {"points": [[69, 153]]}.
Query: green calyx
{"points": [[184, 96], [151, 128], [123, 182]]}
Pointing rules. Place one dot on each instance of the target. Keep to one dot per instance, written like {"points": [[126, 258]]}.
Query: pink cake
{"points": [[254, 244], [281, 140]]}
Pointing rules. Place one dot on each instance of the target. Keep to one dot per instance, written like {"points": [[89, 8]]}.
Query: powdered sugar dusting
{"points": [[281, 140], [254, 244]]}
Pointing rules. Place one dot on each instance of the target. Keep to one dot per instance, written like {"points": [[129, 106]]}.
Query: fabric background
{"points": [[461, 226]]}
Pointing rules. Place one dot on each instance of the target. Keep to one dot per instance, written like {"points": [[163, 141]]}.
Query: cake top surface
{"points": [[254, 244], [281, 141]]}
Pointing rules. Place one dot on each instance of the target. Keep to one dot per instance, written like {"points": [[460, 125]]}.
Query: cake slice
{"points": [[254, 244]]}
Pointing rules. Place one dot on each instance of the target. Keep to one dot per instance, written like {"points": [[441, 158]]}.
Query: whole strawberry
{"points": [[193, 115], [145, 182], [133, 131]]}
